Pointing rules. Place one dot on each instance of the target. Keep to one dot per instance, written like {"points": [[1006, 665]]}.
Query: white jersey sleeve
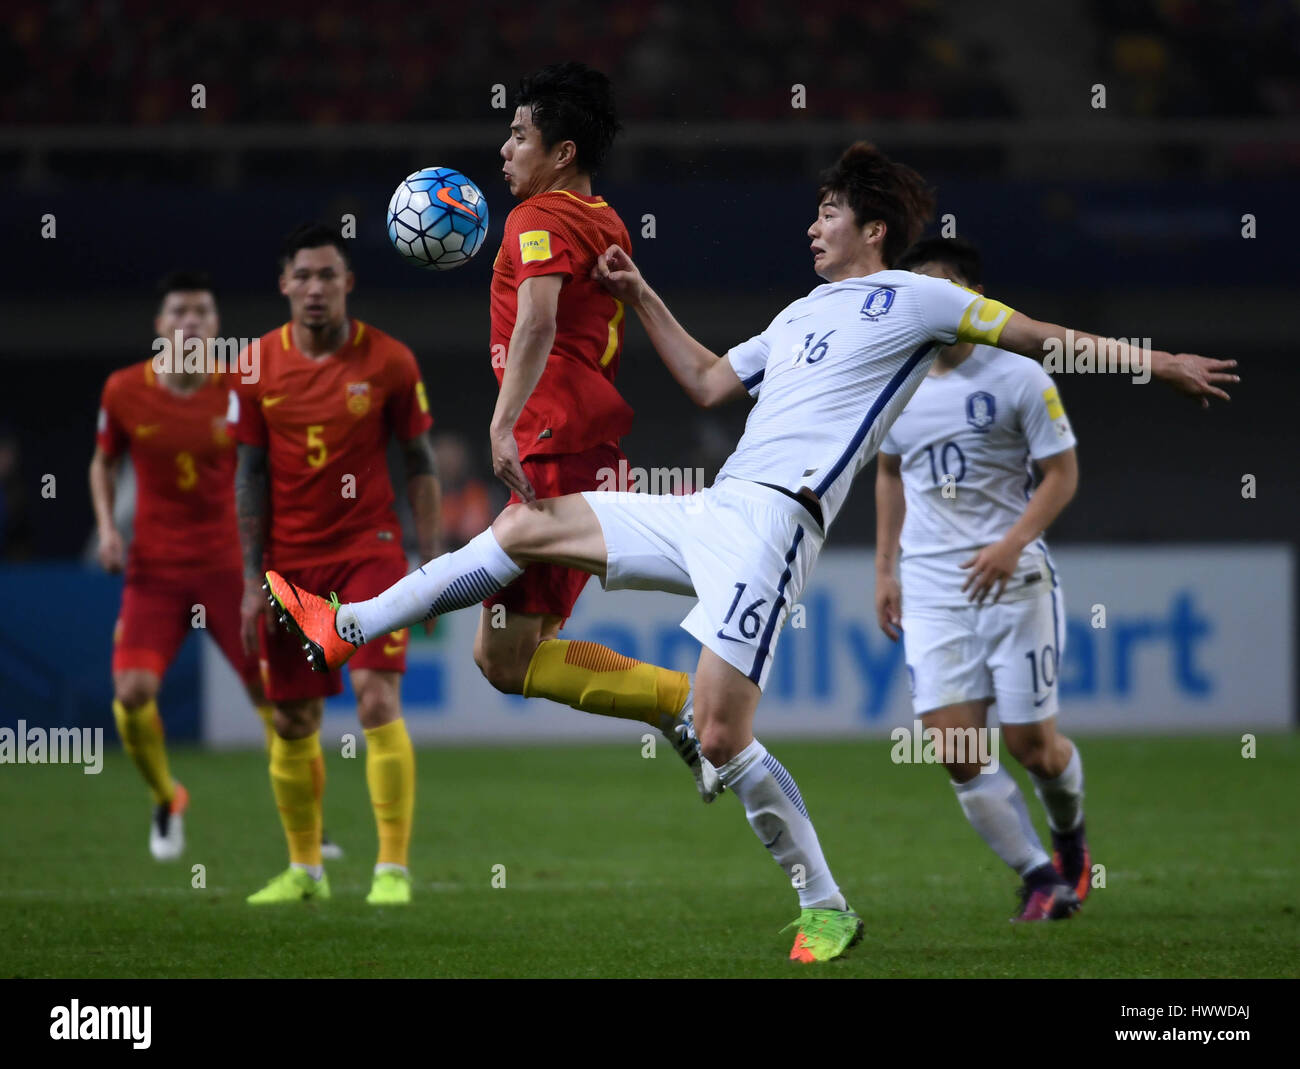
{"points": [[749, 360], [954, 313], [1042, 417]]}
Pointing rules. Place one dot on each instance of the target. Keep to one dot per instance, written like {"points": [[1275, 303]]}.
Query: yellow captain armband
{"points": [[983, 320]]}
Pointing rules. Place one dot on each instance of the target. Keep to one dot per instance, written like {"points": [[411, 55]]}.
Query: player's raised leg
{"points": [[521, 653], [1056, 769], [725, 702], [560, 530]]}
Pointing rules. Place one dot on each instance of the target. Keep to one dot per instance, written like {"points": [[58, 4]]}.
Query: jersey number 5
{"points": [[316, 451]]}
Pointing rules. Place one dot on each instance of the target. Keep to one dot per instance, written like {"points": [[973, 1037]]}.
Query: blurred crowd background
{"points": [[319, 63]]}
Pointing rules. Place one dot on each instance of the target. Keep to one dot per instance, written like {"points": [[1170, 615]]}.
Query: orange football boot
{"points": [[311, 618]]}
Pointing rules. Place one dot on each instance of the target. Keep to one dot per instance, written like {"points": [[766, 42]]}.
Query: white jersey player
{"points": [[830, 372], [982, 615]]}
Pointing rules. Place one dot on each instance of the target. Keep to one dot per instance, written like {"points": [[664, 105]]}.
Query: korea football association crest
{"points": [[358, 398], [981, 411], [878, 302]]}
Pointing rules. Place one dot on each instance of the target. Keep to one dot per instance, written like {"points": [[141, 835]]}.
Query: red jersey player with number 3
{"points": [[556, 339]]}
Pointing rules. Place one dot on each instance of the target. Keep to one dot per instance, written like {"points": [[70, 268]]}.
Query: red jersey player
{"points": [[315, 500], [556, 340], [183, 567]]}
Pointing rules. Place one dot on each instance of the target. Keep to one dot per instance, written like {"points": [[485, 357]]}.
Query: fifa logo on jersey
{"points": [[878, 302], [358, 398], [981, 411]]}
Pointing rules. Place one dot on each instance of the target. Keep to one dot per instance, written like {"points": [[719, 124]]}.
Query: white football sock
{"points": [[314, 871], [1062, 797], [453, 581], [776, 813], [996, 809]]}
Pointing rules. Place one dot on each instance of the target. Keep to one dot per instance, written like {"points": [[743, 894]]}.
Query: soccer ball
{"points": [[437, 218]]}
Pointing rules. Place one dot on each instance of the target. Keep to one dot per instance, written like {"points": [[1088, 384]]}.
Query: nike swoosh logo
{"points": [[729, 638], [393, 650], [445, 195], [804, 316], [774, 839], [146, 429], [1040, 701], [267, 402]]}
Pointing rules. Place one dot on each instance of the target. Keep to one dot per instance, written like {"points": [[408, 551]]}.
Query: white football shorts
{"points": [[1010, 652], [742, 549]]}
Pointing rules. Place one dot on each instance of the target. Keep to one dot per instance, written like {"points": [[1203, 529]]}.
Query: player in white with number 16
{"points": [[981, 610], [830, 373]]}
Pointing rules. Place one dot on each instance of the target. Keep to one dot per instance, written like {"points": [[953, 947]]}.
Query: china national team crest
{"points": [[981, 411], [878, 302], [220, 435], [358, 398]]}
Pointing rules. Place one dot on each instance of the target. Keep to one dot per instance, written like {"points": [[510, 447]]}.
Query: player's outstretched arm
{"points": [[891, 507], [1196, 376], [103, 469], [252, 505], [707, 379]]}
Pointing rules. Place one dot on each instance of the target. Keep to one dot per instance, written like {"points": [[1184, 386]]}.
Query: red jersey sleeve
{"points": [[539, 243], [109, 433], [407, 407], [244, 416]]}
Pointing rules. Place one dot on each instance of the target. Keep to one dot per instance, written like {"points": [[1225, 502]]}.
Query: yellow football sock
{"points": [[297, 780], [595, 679], [390, 774], [266, 711], [141, 732]]}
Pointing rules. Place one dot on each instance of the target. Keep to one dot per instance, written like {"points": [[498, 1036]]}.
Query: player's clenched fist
{"points": [[254, 602], [619, 275], [111, 553], [889, 605]]}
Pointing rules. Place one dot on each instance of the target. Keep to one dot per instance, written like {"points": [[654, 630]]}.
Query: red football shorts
{"points": [[549, 589], [286, 675], [159, 608]]}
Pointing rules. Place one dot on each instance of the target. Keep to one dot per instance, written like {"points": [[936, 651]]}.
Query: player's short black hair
{"points": [[312, 236], [183, 282], [959, 255], [572, 102], [875, 187]]}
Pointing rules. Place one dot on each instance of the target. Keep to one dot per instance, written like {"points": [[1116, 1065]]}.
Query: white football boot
{"points": [[679, 730]]}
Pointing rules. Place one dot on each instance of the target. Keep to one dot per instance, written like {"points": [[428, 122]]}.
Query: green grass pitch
{"points": [[613, 868]]}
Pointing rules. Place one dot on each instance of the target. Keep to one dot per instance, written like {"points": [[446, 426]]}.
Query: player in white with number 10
{"points": [[981, 610], [830, 373]]}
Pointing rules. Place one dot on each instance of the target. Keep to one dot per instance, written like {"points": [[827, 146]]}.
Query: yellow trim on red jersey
{"points": [[150, 379], [361, 329], [285, 341], [598, 204]]}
